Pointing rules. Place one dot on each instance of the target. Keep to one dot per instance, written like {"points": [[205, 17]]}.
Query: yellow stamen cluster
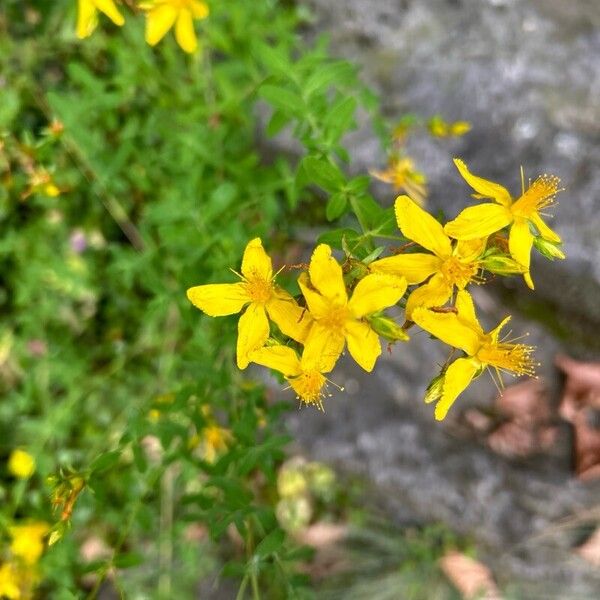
{"points": [[342, 305]]}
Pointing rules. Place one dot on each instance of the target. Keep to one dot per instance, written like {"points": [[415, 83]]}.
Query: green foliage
{"points": [[109, 376]]}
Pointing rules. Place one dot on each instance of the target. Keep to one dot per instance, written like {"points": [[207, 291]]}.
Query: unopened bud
{"points": [[389, 329], [435, 388], [548, 249], [502, 265]]}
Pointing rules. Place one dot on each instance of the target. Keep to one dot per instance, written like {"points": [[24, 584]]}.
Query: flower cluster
{"points": [[161, 16], [18, 567], [342, 305]]}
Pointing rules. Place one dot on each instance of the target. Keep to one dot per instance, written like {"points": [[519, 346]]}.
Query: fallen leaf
{"points": [[526, 429], [590, 550], [579, 406], [470, 577]]}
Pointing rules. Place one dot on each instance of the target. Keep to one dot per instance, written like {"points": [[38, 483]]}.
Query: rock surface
{"points": [[526, 74]]}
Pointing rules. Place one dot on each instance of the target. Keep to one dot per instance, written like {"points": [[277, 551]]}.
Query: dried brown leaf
{"points": [[470, 577]]}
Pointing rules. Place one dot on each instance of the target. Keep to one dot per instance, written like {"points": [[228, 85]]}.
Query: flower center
{"points": [[309, 387], [335, 318], [259, 289], [458, 273], [541, 193], [515, 358]]}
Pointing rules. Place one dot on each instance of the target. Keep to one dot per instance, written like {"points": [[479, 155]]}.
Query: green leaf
{"points": [[339, 72], [340, 118], [336, 206], [275, 59], [128, 560], [325, 174], [105, 461], [271, 543], [277, 122], [335, 236], [281, 98]]}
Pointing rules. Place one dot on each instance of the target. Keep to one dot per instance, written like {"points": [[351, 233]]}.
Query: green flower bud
{"points": [[435, 388], [502, 265], [548, 249], [388, 329]]}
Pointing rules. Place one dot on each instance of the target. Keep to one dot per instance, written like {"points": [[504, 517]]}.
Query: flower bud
{"points": [[548, 249], [388, 329], [502, 265], [435, 388]]}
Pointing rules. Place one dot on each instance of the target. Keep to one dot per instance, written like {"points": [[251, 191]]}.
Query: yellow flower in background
{"points": [[21, 464], [485, 219], [450, 266], [337, 319], [28, 541], [438, 127], [259, 293], [10, 582], [215, 440], [401, 173], [305, 375], [462, 330], [41, 182], [162, 15], [87, 15]]}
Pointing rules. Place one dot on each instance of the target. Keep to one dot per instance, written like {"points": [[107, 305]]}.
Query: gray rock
{"points": [[526, 74]]}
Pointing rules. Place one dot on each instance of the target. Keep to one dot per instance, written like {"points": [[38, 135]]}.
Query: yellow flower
{"points": [[41, 182], [440, 128], [337, 319], [163, 14], [305, 375], [21, 464], [462, 330], [10, 582], [28, 541], [485, 219], [450, 266], [401, 173], [257, 290], [87, 15], [215, 440]]}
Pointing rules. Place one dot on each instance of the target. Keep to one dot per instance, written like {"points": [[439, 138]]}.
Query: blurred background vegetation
{"points": [[128, 175]]}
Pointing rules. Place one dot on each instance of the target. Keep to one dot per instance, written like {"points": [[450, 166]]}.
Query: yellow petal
{"points": [[448, 328], [256, 263], [415, 267], [495, 333], [376, 292], [293, 320], [466, 310], [184, 31], [419, 226], [253, 332], [199, 9], [158, 21], [279, 358], [458, 376], [478, 222], [520, 241], [322, 349], [544, 230], [87, 18], [363, 344], [471, 250], [326, 274], [317, 304], [218, 299], [488, 189], [110, 10], [435, 292]]}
